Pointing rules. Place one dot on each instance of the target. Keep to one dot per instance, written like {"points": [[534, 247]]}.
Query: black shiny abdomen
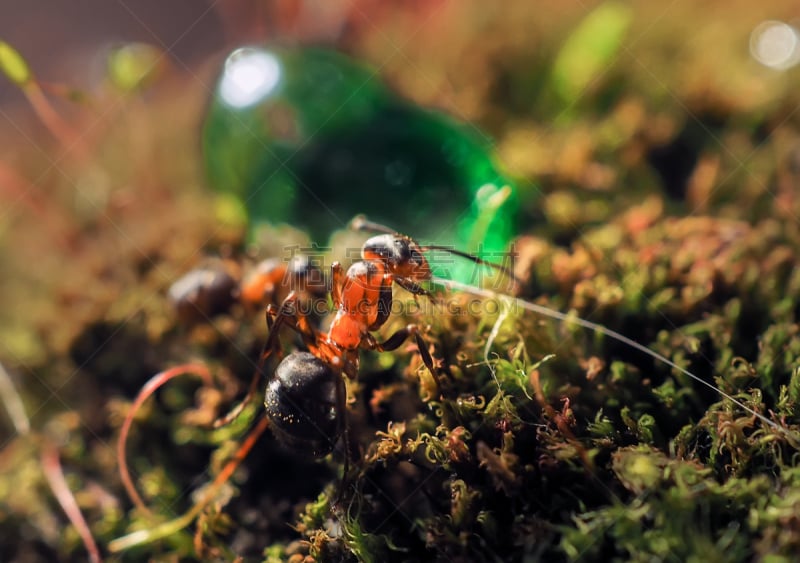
{"points": [[304, 404], [202, 293]]}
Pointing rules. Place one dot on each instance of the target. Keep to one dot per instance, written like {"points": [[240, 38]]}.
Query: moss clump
{"points": [[662, 205]]}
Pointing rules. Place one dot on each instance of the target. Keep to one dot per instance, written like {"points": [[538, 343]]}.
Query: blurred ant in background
{"points": [[213, 289]]}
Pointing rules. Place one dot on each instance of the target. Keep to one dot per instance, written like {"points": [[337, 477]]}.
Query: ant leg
{"points": [[395, 340], [350, 364], [297, 320], [287, 314], [341, 400], [337, 283], [316, 344], [269, 313]]}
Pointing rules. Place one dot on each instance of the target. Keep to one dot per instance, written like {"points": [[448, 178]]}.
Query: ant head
{"points": [[403, 256], [304, 403], [306, 275]]}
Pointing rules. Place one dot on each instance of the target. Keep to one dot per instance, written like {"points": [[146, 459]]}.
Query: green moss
{"points": [[537, 440]]}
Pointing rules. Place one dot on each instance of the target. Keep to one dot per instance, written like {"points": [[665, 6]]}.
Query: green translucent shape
{"points": [[13, 65], [312, 138], [133, 65], [590, 50]]}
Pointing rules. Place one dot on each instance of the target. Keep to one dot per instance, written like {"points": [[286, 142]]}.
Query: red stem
{"points": [[148, 389], [51, 465]]}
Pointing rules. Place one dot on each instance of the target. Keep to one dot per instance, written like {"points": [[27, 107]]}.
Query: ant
{"points": [[272, 279], [305, 400], [212, 289]]}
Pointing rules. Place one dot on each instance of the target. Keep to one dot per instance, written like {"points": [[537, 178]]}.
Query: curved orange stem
{"points": [[148, 389]]}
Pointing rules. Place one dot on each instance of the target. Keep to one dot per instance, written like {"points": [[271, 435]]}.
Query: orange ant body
{"points": [[362, 297], [272, 280], [306, 398]]}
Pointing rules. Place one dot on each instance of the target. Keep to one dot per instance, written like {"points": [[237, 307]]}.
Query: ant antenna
{"points": [[499, 267], [361, 223], [562, 317]]}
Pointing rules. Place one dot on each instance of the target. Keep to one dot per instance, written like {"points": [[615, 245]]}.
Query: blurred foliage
{"points": [[14, 65], [132, 66], [590, 49]]}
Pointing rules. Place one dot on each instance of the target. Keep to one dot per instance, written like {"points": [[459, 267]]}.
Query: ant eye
{"points": [[302, 403], [402, 250]]}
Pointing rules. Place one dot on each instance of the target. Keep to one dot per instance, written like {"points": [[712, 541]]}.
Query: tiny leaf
{"points": [[13, 65], [590, 49]]}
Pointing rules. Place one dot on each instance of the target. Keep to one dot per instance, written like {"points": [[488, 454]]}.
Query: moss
{"points": [[537, 439]]}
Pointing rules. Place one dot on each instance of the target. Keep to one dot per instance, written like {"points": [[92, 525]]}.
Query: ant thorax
{"points": [[365, 296]]}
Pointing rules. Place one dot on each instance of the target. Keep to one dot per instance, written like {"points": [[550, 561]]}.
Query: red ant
{"points": [[212, 289], [272, 279], [305, 400]]}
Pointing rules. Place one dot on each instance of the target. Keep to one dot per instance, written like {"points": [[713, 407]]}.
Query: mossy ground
{"points": [[662, 203]]}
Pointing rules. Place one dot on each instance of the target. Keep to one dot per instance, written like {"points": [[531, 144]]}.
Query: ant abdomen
{"points": [[303, 404], [202, 293]]}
